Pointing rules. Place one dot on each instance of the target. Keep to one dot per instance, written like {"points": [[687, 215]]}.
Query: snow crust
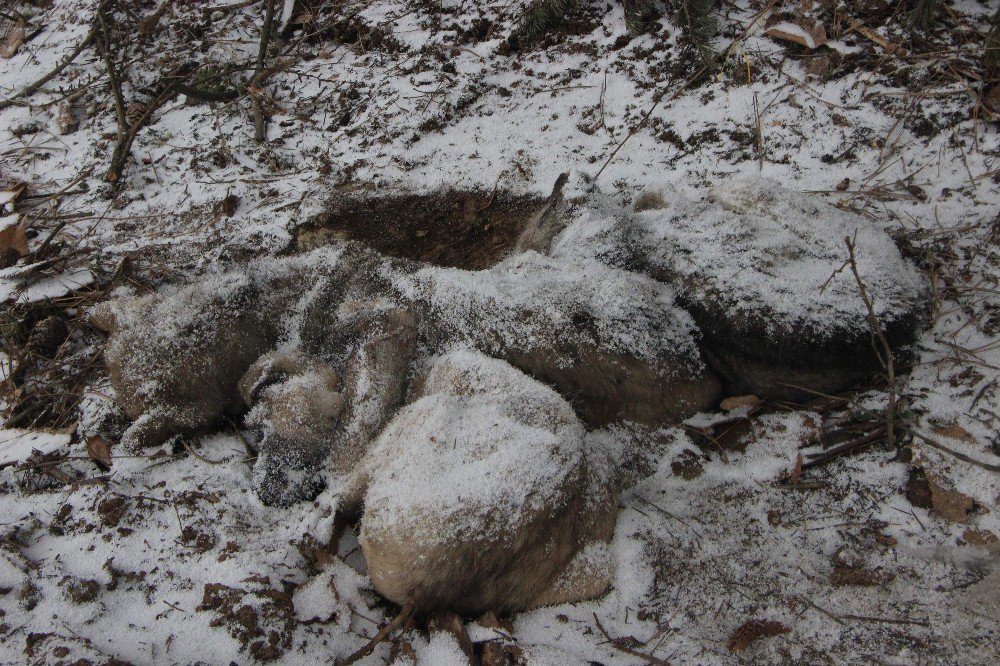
{"points": [[16, 446]]}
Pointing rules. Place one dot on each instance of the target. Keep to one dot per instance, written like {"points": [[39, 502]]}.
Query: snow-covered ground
{"points": [[851, 560]]}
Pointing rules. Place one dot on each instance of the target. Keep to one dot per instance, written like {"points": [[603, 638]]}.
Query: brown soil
{"points": [[471, 229]]}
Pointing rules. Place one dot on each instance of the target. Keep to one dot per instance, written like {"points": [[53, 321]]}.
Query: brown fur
{"points": [[606, 387], [545, 224], [375, 380], [173, 384], [296, 411], [534, 564]]}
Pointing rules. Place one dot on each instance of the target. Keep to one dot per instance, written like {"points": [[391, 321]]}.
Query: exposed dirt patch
{"points": [[262, 620], [80, 591], [471, 229]]}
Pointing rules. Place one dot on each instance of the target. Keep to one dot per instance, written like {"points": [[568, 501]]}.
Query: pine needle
{"points": [[699, 27], [991, 48], [542, 16], [924, 14], [639, 15]]}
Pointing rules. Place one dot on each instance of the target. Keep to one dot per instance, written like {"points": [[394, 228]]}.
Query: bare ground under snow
{"points": [[863, 560]]}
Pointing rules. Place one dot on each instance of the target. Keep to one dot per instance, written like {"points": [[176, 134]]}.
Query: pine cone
{"points": [[47, 335], [66, 122], [134, 113]]}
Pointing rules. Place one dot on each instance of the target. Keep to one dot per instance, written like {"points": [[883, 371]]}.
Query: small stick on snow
{"points": [[619, 645], [885, 357], [853, 445], [760, 139], [383, 633], [187, 447], [912, 429], [104, 46], [259, 122], [645, 118], [889, 620], [32, 87]]}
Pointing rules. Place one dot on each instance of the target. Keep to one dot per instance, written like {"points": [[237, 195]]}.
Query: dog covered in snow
{"points": [[449, 406]]}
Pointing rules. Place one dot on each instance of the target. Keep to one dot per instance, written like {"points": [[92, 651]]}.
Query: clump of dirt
{"points": [[470, 229], [201, 542], [752, 630], [79, 590], [261, 620], [112, 510], [51, 648]]}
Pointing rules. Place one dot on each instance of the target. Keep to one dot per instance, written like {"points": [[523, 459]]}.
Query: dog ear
{"points": [[271, 368]]}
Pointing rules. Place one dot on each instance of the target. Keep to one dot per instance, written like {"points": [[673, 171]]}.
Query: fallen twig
{"points": [[854, 445], [885, 357], [32, 87], [645, 118], [889, 620], [104, 46], [187, 447], [260, 127], [124, 149], [957, 454], [619, 644], [382, 634], [912, 430]]}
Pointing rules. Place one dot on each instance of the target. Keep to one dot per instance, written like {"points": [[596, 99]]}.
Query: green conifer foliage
{"points": [[541, 16], [924, 14], [699, 26], [639, 15]]}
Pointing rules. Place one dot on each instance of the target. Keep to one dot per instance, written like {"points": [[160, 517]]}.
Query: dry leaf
{"points": [[490, 620], [949, 504], [98, 450], [918, 490], [449, 622], [12, 235], [797, 472], [806, 32], [978, 537], [11, 37], [732, 435], [954, 431], [9, 196], [847, 576], [737, 401], [66, 122], [887, 46], [992, 99], [149, 24], [750, 631]]}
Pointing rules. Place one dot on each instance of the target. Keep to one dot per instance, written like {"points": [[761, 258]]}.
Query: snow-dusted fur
{"points": [[297, 407], [175, 357], [763, 272], [480, 494], [477, 491]]}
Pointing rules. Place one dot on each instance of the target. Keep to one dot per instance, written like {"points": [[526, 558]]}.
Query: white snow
{"points": [[16, 446], [757, 248], [695, 559]]}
